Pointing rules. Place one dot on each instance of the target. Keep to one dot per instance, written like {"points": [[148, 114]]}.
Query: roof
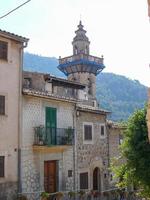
{"points": [[13, 36], [43, 94], [87, 108], [115, 125], [64, 81]]}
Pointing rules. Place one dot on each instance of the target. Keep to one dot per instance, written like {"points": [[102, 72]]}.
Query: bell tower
{"points": [[81, 66]]}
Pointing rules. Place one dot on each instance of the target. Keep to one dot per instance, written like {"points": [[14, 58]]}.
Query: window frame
{"points": [[3, 51], [3, 167], [85, 141]]}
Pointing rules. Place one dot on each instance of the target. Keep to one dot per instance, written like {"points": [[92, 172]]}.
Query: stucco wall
{"points": [[9, 87]]}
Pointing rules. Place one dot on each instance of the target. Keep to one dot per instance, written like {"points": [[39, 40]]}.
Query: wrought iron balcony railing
{"points": [[53, 136]]}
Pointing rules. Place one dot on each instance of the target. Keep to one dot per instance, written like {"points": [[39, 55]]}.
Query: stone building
{"points": [[115, 138], [49, 117], [11, 50]]}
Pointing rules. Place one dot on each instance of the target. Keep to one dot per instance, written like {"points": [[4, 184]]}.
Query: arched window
{"points": [[75, 50], [86, 50]]}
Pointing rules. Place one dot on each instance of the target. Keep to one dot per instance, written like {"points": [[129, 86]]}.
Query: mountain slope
{"points": [[120, 95], [116, 93]]}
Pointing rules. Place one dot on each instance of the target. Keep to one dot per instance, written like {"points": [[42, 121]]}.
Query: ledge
{"points": [[50, 149]]}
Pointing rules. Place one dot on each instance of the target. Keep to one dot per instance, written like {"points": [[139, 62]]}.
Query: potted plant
{"points": [[44, 196], [59, 195], [22, 197], [81, 194], [71, 194]]}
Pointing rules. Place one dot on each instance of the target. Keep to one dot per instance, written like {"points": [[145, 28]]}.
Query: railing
{"points": [[53, 136], [81, 56]]}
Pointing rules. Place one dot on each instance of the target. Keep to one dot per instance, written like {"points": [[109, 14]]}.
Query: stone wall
{"points": [[33, 162], [8, 191], [90, 156], [115, 132]]}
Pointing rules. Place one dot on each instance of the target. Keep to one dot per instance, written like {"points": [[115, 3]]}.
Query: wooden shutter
{"points": [[2, 159], [2, 105], [3, 50], [87, 132], [84, 180]]}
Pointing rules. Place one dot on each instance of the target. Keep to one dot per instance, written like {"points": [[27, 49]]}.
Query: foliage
{"points": [[59, 195], [115, 93], [44, 195], [22, 197], [135, 150], [71, 194]]}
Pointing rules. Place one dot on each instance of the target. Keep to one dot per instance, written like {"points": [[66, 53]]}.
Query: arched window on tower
{"points": [[86, 50], [75, 50]]}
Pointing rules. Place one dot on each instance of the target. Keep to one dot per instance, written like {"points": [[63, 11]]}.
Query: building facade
{"points": [[60, 137], [11, 50]]}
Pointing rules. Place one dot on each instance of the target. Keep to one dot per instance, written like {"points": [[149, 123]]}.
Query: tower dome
{"points": [[80, 41]]}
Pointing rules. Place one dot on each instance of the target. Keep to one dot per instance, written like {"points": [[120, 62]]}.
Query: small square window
{"points": [[2, 105], [2, 160], [27, 83], [87, 132], [69, 173], [84, 180], [3, 50]]}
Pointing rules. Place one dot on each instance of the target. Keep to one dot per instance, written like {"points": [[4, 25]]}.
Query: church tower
{"points": [[81, 66]]}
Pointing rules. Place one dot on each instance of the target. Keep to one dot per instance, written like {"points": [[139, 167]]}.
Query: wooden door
{"points": [[96, 179], [50, 176], [51, 124]]}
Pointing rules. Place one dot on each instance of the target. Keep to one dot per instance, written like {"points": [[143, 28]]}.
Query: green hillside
{"points": [[116, 93]]}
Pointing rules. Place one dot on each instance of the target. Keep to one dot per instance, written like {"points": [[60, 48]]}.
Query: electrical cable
{"points": [[14, 9]]}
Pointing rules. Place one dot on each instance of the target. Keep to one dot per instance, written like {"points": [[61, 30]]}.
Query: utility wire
{"points": [[14, 9]]}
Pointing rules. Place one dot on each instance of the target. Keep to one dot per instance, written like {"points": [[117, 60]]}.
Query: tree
{"points": [[134, 166]]}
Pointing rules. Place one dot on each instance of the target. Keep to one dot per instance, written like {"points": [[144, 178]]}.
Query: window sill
{"points": [[3, 116], [88, 142], [102, 137]]}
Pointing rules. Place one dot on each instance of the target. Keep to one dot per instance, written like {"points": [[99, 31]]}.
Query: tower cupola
{"points": [[81, 66], [80, 41]]}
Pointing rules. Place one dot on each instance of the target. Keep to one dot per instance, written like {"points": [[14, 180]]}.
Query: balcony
{"points": [[53, 136], [81, 63], [79, 57]]}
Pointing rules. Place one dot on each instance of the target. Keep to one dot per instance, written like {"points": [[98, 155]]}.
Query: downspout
{"points": [[74, 148], [24, 45], [108, 132]]}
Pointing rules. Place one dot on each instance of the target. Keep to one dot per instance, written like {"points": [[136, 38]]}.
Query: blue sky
{"points": [[117, 29]]}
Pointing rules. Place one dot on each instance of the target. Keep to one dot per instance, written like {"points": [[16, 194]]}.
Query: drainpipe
{"points": [[74, 148], [24, 45]]}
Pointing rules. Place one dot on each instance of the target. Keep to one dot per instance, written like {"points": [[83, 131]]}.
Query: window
{"points": [[2, 159], [3, 50], [2, 105], [69, 173], [102, 131], [27, 83], [84, 180], [87, 132], [120, 139]]}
